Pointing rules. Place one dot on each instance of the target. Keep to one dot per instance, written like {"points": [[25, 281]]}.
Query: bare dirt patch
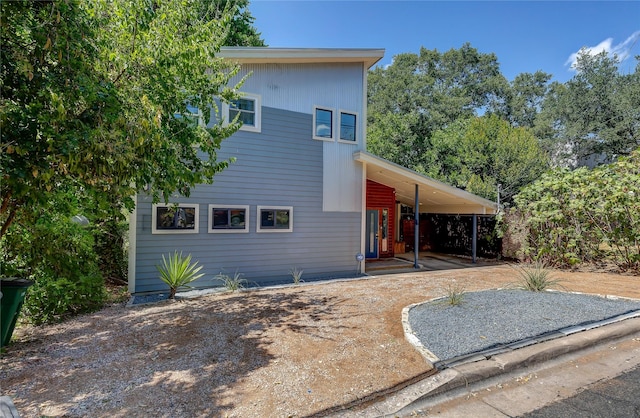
{"points": [[287, 352]]}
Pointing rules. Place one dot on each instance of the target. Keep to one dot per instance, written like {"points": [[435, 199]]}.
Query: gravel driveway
{"points": [[289, 352]]}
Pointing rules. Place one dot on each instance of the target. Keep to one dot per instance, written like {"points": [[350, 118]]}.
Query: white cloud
{"points": [[622, 50]]}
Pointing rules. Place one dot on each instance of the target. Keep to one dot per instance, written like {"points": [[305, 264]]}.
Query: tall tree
{"points": [[523, 99], [109, 95], [429, 91], [483, 153], [241, 31], [595, 115]]}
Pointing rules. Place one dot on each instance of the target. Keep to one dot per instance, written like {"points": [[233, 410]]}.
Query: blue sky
{"points": [[526, 36]]}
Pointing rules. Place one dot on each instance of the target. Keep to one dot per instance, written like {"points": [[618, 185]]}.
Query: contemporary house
{"points": [[303, 192]]}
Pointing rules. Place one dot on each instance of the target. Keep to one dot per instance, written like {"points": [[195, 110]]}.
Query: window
{"points": [[248, 109], [228, 219], [348, 126], [193, 115], [322, 123], [176, 218], [275, 219]]}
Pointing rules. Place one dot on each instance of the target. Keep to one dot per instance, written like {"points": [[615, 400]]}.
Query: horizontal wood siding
{"points": [[281, 166]]}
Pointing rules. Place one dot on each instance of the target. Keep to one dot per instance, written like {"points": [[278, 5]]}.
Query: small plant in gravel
{"points": [[177, 271], [455, 294], [296, 274], [232, 283], [535, 277]]}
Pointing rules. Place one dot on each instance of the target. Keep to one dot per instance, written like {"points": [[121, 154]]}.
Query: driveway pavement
{"points": [[617, 397], [593, 374]]}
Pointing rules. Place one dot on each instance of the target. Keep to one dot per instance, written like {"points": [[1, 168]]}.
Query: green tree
{"points": [[241, 31], [523, 99], [480, 153], [596, 114], [427, 92], [106, 95]]}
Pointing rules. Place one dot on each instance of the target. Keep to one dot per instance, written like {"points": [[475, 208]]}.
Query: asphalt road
{"points": [[617, 397]]}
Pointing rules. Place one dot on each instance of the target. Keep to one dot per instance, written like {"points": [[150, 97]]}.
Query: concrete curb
{"points": [[462, 376]]}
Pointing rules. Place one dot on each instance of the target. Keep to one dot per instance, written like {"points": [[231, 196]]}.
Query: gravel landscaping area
{"points": [[491, 318], [297, 351]]}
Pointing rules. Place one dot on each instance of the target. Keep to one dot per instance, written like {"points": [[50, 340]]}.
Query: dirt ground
{"points": [[305, 350]]}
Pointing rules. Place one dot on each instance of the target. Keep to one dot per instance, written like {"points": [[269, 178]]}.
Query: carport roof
{"points": [[434, 196]]}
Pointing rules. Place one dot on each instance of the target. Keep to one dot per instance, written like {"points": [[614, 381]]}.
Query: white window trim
{"points": [[333, 123], [213, 230], [357, 131], [258, 112], [154, 215], [268, 230]]}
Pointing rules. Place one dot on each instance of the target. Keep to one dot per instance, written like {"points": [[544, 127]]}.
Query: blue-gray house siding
{"points": [[280, 166]]}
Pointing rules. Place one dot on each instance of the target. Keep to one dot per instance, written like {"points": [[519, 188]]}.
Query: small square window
{"points": [[322, 123], [178, 218], [275, 219], [348, 126], [228, 219], [247, 109]]}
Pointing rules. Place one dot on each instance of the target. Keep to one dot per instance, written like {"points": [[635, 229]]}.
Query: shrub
{"points": [[53, 299], [535, 277], [177, 271], [296, 274], [455, 294], [232, 283], [59, 256], [584, 216]]}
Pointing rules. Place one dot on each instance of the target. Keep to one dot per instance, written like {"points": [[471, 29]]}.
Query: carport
{"points": [[412, 189]]}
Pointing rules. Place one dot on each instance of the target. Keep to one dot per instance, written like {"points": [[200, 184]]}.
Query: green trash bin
{"points": [[12, 292]]}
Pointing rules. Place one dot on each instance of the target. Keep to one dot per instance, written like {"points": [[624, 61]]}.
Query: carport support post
{"points": [[474, 239], [416, 235]]}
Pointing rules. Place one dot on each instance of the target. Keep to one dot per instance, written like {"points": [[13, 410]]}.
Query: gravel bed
{"points": [[488, 319]]}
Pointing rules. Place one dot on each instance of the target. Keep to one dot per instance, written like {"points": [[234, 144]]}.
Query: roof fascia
{"points": [[261, 55], [415, 177]]}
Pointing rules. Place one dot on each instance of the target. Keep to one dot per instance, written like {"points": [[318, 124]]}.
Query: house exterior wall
{"points": [[300, 87], [280, 166]]}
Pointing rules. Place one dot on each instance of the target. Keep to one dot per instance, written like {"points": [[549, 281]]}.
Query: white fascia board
{"points": [[415, 177], [261, 55]]}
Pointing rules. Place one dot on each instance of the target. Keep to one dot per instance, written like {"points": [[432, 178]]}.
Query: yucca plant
{"points": [[177, 271]]}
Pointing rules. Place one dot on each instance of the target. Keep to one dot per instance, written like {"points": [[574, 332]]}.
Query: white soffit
{"points": [[261, 55], [433, 196]]}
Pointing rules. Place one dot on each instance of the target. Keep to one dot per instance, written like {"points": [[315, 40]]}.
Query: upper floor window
{"points": [[228, 219], [248, 110], [322, 123], [174, 218], [348, 126]]}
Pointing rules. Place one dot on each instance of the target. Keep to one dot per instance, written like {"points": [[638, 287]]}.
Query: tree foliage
{"points": [[481, 153], [90, 94], [241, 31], [595, 116], [435, 88], [585, 215]]}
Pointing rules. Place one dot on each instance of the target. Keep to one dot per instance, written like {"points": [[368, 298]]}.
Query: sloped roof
{"points": [[259, 55], [434, 196]]}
